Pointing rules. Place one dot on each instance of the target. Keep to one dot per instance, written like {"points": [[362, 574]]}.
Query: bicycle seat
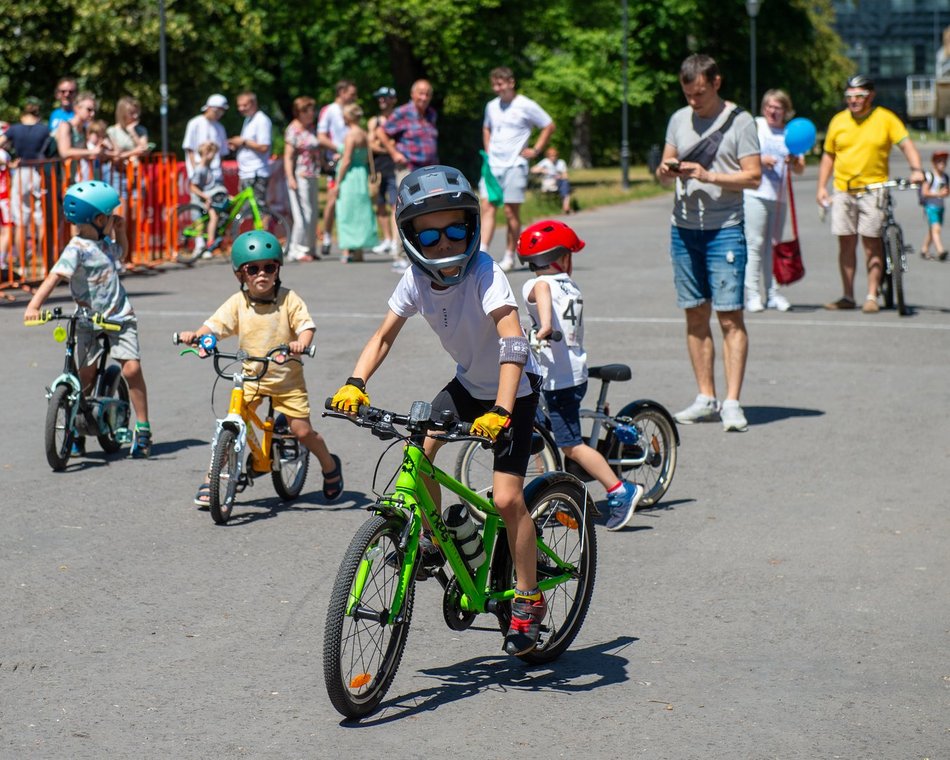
{"points": [[610, 372]]}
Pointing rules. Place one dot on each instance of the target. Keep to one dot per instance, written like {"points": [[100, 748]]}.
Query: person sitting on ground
{"points": [[89, 262], [265, 315], [555, 305], [553, 171], [933, 191], [467, 301]]}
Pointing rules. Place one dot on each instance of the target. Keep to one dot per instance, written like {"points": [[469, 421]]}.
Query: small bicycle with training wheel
{"points": [[72, 414], [892, 237], [639, 442], [237, 455], [371, 603], [241, 214]]}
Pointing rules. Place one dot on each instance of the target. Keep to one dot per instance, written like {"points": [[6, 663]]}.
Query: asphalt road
{"points": [[788, 599]]}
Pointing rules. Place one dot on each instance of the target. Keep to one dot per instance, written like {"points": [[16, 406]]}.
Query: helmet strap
{"points": [[251, 299]]}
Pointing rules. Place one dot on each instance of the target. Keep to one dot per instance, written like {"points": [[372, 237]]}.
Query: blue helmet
{"points": [[84, 201], [438, 188]]}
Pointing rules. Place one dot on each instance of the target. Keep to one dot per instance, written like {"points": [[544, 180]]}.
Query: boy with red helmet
{"points": [[556, 306]]}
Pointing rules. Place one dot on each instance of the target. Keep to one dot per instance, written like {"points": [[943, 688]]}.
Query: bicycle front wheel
{"points": [[192, 222], [59, 434], [475, 466], [894, 252], [362, 648], [659, 437], [293, 460], [224, 478], [563, 521]]}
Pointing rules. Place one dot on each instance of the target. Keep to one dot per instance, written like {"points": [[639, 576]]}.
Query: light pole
{"points": [[162, 75], [752, 8], [624, 143]]}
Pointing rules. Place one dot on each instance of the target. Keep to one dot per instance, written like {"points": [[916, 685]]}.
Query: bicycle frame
{"points": [[236, 206], [242, 419], [411, 496], [602, 419]]}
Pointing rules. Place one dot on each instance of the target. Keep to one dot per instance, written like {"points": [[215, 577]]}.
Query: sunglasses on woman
{"points": [[255, 269], [454, 233]]}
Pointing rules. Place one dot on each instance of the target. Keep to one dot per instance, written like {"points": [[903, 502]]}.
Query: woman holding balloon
{"points": [[765, 206]]}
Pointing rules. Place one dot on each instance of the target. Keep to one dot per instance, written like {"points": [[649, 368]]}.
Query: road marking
{"points": [[785, 322]]}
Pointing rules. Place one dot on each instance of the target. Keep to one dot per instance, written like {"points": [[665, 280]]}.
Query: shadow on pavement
{"points": [[762, 415], [270, 507], [577, 670]]}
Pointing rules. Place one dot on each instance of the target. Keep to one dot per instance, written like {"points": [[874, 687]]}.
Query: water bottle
{"points": [[823, 210], [466, 535]]}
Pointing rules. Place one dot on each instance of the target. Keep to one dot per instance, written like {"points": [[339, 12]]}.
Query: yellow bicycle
{"points": [[238, 456]]}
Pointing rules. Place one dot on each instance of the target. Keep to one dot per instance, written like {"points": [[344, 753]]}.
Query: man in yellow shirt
{"points": [[857, 147]]}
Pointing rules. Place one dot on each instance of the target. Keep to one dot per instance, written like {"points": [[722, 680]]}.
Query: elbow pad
{"points": [[513, 350]]}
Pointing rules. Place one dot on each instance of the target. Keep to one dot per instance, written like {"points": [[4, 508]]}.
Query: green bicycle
{"points": [[240, 214], [371, 603]]}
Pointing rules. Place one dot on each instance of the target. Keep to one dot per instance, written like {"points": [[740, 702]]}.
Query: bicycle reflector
{"points": [[59, 334], [627, 434]]}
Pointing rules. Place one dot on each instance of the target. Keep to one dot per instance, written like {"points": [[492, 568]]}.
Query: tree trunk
{"points": [[580, 141]]}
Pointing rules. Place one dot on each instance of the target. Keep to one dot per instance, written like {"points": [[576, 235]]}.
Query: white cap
{"points": [[216, 101]]}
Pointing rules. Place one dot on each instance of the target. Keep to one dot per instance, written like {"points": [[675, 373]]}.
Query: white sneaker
{"points": [[703, 409], [732, 417], [384, 247], [754, 304], [400, 265], [778, 301], [508, 262]]}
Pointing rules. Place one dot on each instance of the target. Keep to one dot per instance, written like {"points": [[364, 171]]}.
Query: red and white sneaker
{"points": [[525, 627]]}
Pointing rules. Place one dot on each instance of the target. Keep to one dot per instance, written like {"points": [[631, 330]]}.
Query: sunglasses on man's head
{"points": [[857, 95], [255, 269], [453, 232]]}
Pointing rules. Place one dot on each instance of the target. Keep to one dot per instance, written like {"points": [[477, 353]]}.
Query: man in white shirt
{"points": [[509, 121], [253, 147], [207, 127], [331, 131]]}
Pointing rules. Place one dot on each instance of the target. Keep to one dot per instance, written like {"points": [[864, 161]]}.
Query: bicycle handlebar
{"points": [[278, 355], [419, 420], [81, 313]]}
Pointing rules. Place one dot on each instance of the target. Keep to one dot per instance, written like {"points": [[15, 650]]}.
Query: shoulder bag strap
{"points": [[723, 128], [372, 163], [791, 203]]}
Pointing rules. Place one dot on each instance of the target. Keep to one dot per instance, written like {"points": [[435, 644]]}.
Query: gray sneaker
{"points": [[623, 505], [703, 409], [733, 419]]}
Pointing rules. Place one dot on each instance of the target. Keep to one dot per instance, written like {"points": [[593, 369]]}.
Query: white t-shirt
{"points": [[460, 316], [564, 362], [201, 130], [252, 164], [332, 123], [511, 127], [771, 143], [550, 172]]}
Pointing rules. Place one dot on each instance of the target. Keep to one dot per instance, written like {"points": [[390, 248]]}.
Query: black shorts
{"points": [[260, 188], [510, 456]]}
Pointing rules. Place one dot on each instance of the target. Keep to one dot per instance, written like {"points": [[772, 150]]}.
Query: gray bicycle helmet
{"points": [[84, 201], [860, 82], [438, 188]]}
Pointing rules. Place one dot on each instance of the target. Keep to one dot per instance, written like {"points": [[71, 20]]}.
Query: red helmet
{"points": [[544, 242]]}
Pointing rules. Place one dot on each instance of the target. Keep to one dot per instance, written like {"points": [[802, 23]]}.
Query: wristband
{"points": [[915, 168], [496, 409], [357, 382]]}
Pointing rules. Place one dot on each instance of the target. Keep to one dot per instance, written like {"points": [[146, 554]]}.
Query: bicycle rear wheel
{"points": [[293, 460], [114, 393], [894, 254], [563, 520], [474, 467], [192, 222], [272, 222], [224, 480], [361, 648], [58, 433], [659, 436]]}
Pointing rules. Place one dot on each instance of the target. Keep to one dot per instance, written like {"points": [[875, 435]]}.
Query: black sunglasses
{"points": [[255, 269], [454, 232]]}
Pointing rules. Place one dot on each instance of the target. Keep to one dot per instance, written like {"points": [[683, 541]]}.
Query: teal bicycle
{"points": [[371, 603]]}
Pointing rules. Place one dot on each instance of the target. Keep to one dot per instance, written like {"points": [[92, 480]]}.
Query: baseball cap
{"points": [[385, 92], [215, 101]]}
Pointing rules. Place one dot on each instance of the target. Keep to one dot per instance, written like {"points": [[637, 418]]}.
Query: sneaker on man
{"points": [[400, 265], [753, 304], [703, 409], [623, 504], [507, 262], [733, 418], [778, 302], [870, 305], [325, 249], [384, 247], [525, 627]]}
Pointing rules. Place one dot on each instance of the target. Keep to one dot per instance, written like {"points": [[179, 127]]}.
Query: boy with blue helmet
{"points": [[90, 263], [264, 315], [466, 299]]}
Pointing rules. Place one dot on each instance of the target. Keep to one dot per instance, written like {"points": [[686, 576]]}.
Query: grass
{"points": [[591, 188]]}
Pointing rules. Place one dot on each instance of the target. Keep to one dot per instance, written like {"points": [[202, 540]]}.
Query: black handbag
{"points": [[704, 152]]}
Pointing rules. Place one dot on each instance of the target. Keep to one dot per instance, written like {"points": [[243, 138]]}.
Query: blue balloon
{"points": [[799, 136]]}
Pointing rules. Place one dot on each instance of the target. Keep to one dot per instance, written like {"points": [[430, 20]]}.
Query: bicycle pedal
{"points": [[123, 435]]}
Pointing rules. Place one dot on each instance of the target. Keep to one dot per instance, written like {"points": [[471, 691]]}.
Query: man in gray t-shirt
{"points": [[707, 241]]}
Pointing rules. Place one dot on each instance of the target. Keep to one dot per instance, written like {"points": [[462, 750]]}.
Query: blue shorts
{"points": [[934, 214], [709, 265], [564, 407]]}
